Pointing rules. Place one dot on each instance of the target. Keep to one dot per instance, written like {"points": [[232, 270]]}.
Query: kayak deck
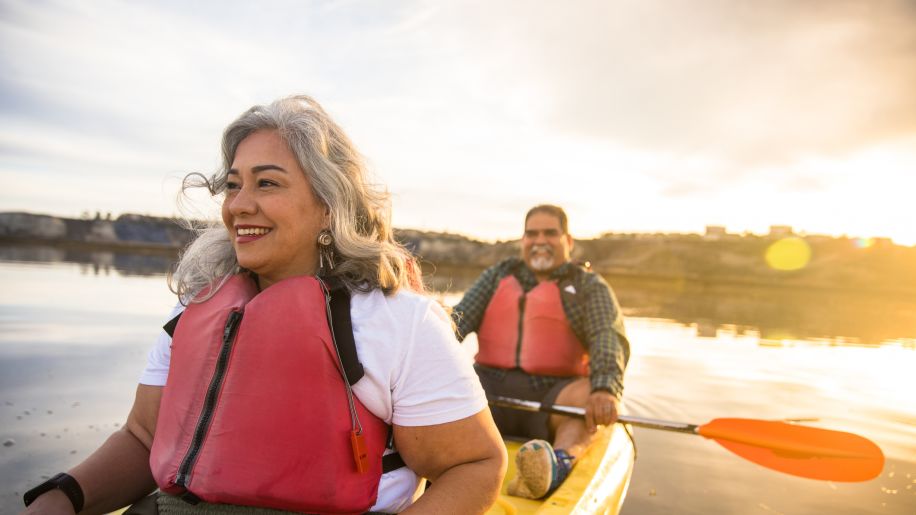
{"points": [[596, 485]]}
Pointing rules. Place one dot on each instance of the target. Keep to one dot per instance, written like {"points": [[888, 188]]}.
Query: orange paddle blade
{"points": [[798, 450]]}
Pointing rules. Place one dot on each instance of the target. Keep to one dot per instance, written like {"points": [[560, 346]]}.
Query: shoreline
{"points": [[466, 273], [840, 265]]}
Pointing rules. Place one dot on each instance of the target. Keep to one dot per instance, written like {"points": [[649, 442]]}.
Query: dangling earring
{"points": [[325, 252]]}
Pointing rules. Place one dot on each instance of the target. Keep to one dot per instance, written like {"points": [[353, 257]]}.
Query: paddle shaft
{"points": [[508, 402]]}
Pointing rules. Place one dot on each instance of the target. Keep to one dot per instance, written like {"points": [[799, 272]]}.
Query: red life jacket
{"points": [[547, 344], [255, 410]]}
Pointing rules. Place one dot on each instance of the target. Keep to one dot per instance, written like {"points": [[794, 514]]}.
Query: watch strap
{"points": [[63, 482]]}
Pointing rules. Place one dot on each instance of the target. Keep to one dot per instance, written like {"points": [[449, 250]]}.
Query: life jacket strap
{"points": [[392, 462], [343, 330], [170, 326]]}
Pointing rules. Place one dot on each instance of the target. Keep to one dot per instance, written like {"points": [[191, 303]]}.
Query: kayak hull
{"points": [[596, 485]]}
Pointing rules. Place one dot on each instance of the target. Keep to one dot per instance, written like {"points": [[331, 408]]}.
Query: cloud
{"points": [[751, 82], [636, 115]]}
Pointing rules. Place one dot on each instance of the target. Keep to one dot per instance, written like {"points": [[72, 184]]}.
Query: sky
{"points": [[636, 115]]}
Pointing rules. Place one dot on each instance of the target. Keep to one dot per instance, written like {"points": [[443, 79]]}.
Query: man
{"points": [[552, 332]]}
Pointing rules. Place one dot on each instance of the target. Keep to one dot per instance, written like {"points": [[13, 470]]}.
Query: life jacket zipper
{"points": [[521, 326], [206, 414]]}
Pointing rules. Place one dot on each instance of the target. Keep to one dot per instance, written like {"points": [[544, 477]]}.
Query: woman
{"points": [[257, 409]]}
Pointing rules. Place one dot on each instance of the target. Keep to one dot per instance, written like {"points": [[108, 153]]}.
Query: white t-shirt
{"points": [[416, 373]]}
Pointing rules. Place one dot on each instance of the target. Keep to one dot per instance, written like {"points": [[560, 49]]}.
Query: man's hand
{"points": [[601, 409]]}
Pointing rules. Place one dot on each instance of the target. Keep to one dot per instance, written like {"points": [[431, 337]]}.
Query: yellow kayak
{"points": [[596, 485]]}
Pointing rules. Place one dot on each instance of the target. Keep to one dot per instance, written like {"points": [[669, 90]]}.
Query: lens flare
{"points": [[863, 243], [788, 254]]}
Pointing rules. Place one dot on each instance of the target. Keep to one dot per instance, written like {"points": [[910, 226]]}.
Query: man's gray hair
{"points": [[552, 210]]}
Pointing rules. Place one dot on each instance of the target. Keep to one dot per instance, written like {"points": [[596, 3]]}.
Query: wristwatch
{"points": [[63, 482]]}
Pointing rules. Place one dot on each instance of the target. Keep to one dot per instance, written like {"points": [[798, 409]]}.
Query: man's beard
{"points": [[541, 263]]}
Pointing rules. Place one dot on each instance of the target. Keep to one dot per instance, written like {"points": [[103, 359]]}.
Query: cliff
{"points": [[127, 231]]}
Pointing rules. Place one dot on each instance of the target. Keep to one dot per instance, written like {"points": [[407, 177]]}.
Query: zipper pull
{"points": [[231, 324], [360, 455]]}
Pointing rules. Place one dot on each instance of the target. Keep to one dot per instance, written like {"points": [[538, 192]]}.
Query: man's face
{"points": [[544, 246]]}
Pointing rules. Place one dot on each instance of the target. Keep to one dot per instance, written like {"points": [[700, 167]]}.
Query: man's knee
{"points": [[575, 393]]}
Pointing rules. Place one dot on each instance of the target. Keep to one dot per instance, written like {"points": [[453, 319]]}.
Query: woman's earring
{"points": [[325, 252]]}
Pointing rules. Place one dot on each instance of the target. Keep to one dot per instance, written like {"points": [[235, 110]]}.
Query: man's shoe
{"points": [[538, 471]]}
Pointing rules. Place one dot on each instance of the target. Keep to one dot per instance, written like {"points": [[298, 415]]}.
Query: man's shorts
{"points": [[517, 384]]}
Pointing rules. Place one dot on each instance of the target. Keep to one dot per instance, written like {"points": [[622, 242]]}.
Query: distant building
{"points": [[715, 232], [779, 231]]}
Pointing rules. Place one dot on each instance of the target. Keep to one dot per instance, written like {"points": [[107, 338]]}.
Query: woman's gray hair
{"points": [[366, 255]]}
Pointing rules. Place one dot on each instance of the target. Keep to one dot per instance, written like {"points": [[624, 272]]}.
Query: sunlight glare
{"points": [[788, 254], [863, 243]]}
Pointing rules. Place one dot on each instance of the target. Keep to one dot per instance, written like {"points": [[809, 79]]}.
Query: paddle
{"points": [[798, 450]]}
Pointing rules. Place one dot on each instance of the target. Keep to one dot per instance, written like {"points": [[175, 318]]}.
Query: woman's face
{"points": [[270, 210]]}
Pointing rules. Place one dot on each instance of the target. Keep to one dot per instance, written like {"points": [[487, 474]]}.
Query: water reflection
{"points": [[93, 261], [774, 315]]}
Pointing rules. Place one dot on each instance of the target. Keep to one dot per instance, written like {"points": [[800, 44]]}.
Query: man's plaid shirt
{"points": [[595, 318]]}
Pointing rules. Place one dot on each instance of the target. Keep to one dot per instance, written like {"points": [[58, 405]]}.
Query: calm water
{"points": [[75, 329]]}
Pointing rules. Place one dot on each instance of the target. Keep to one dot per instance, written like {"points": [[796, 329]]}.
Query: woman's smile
{"points": [[249, 233]]}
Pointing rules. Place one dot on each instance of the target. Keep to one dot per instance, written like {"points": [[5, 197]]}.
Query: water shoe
{"points": [[539, 470]]}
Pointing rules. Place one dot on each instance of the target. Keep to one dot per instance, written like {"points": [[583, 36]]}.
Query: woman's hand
{"points": [[465, 460], [53, 502], [118, 472]]}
